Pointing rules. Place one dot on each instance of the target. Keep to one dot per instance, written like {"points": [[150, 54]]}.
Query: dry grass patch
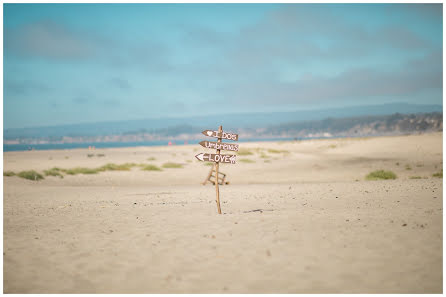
{"points": [[8, 173], [247, 160], [274, 151], [80, 170], [150, 167], [438, 174], [30, 174], [172, 165], [244, 152], [53, 172], [381, 174], [116, 167]]}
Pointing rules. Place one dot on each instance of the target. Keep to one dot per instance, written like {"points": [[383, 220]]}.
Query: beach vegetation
{"points": [[117, 167], [150, 167], [55, 171], [415, 177], [381, 174], [90, 155], [8, 173], [274, 151], [208, 163], [244, 152], [30, 174], [100, 155], [151, 159], [438, 174], [80, 170], [245, 160], [172, 165]]}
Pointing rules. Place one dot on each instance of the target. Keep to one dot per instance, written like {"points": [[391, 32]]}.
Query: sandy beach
{"points": [[298, 217]]}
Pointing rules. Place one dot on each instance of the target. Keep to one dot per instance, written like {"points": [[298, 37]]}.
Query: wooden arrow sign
{"points": [[216, 158], [224, 135], [220, 146]]}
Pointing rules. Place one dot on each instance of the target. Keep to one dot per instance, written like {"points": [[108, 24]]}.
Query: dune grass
{"points": [[80, 170], [244, 160], [408, 167], [30, 174], [90, 155], [150, 167], [438, 174], [100, 155], [415, 177], [8, 173], [151, 159], [55, 171], [381, 174], [116, 167], [244, 152], [274, 151], [172, 165], [208, 163], [264, 156]]}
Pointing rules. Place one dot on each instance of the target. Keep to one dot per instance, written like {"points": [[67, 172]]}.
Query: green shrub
{"points": [[244, 152], [80, 170], [150, 167], [8, 173], [30, 174], [381, 174], [438, 174], [116, 167], [247, 161], [53, 172], [172, 165], [273, 151]]}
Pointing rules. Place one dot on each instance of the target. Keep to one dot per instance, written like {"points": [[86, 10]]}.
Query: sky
{"points": [[80, 63]]}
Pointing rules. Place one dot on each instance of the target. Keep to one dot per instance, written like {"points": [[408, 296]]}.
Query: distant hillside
{"points": [[394, 124], [189, 125], [360, 126]]}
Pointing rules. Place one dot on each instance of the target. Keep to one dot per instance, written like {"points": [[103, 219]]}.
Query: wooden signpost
{"points": [[218, 158]]}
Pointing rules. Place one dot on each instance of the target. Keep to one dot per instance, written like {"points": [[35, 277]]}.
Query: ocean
{"points": [[67, 146]]}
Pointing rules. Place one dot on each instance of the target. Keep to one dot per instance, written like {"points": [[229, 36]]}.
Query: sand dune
{"points": [[299, 218]]}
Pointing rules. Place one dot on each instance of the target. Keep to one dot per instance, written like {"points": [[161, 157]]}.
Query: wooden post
{"points": [[220, 130]]}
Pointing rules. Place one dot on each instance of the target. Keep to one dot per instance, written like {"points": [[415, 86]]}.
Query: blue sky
{"points": [[77, 63]]}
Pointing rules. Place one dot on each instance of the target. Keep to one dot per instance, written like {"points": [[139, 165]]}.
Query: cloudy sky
{"points": [[77, 63]]}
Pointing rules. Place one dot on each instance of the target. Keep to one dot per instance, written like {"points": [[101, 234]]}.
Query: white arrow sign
{"points": [[216, 158]]}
